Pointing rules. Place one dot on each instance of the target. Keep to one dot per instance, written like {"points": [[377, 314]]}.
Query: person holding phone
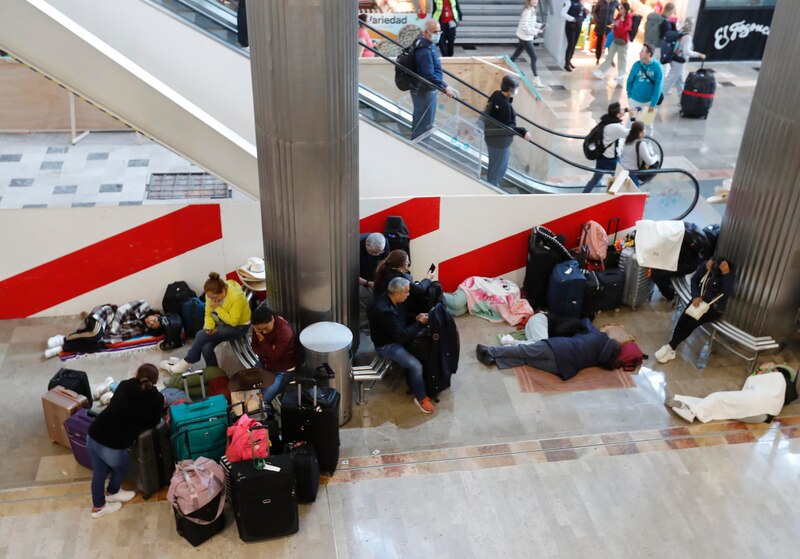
{"points": [[396, 265], [712, 283]]}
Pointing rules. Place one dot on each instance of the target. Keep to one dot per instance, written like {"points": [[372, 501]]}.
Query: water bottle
{"points": [[676, 316], [705, 351]]}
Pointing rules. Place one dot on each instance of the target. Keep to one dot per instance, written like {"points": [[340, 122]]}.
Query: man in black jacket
{"points": [[499, 138], [391, 327]]}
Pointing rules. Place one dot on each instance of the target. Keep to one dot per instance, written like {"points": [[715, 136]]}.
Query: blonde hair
{"points": [[527, 4], [688, 25]]}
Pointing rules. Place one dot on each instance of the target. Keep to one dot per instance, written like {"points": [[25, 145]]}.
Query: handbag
{"points": [[697, 312], [620, 41]]}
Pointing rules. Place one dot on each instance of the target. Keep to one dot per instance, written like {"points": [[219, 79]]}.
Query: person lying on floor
{"points": [[762, 397], [108, 324], [543, 325], [562, 356]]}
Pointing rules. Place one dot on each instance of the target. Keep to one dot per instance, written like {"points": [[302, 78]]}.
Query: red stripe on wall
{"points": [[109, 260], [420, 214], [509, 254]]}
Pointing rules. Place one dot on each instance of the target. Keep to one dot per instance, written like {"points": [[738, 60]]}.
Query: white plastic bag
{"points": [[658, 243]]}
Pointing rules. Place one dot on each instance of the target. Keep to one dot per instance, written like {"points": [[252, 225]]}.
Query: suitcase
{"points": [[639, 285], [312, 415], [545, 250], [59, 404], [264, 500], [199, 428], [565, 290], [426, 350], [77, 428], [612, 289], [592, 295], [151, 460], [195, 533], [306, 470], [698, 93], [77, 381]]}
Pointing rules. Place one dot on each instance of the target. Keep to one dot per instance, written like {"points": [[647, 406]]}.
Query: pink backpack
{"points": [[595, 238], [247, 440], [194, 485]]}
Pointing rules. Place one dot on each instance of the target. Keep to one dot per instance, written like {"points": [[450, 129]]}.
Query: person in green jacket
{"points": [[227, 318]]}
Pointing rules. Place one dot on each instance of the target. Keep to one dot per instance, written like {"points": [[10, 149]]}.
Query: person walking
{"points": [[448, 14], [613, 131], [527, 29], [429, 67], [665, 26], [602, 17], [619, 46], [684, 52], [573, 13], [651, 27], [499, 138], [644, 84]]}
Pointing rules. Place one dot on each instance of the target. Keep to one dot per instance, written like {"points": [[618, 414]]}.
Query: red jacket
{"points": [[276, 352], [622, 29]]}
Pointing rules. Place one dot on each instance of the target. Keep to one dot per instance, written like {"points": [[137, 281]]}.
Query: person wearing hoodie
{"points": [[499, 138], [613, 132], [561, 356], [712, 283], [644, 84]]}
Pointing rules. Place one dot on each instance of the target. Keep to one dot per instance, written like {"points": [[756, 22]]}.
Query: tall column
{"points": [[305, 90], [761, 229]]}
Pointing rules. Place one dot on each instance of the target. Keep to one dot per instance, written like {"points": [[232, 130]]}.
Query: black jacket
{"points": [[501, 108], [443, 324], [390, 323], [716, 284], [367, 264], [130, 412], [603, 14]]}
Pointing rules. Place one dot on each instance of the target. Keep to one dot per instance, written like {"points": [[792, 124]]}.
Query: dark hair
{"points": [[262, 315], [626, 6], [636, 129], [614, 109], [154, 331], [395, 260], [147, 375], [610, 363], [214, 284], [509, 83], [649, 48], [362, 18]]}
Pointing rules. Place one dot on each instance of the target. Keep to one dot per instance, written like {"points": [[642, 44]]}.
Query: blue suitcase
{"points": [[199, 428], [566, 289]]}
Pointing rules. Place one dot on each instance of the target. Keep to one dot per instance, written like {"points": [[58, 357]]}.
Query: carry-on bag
{"points": [[639, 285], [566, 289], [77, 381], [59, 404], [698, 93], [151, 460], [77, 428], [264, 499], [612, 289], [306, 470], [196, 493], [199, 428], [545, 250]]}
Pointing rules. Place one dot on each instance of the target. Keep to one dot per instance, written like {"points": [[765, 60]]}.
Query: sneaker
{"points": [[107, 509], [621, 79], [537, 81], [121, 496], [599, 75], [508, 339], [55, 341], [684, 413], [426, 406], [52, 352], [665, 353], [102, 388], [567, 68], [105, 399]]}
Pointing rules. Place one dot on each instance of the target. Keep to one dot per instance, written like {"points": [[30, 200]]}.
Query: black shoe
{"points": [[567, 68], [482, 352]]}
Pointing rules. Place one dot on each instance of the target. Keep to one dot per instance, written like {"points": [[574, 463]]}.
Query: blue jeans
{"points": [[401, 356], [106, 461], [282, 380], [204, 344], [498, 163], [424, 100], [603, 163]]}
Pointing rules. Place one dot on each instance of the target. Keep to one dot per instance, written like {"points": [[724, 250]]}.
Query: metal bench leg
{"points": [[362, 393]]}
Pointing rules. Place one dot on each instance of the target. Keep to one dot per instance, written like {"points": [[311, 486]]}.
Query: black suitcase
{"points": [[592, 295], [426, 350], [151, 460], [195, 533], [612, 288], [698, 93], [77, 381], [312, 415], [306, 470], [545, 250], [264, 501]]}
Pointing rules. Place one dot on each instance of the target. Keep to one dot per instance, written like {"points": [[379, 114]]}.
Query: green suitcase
{"points": [[199, 428]]}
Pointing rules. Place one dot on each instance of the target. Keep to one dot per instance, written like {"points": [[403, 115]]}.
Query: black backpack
{"points": [[396, 233], [593, 146], [77, 381], [669, 47], [175, 296], [636, 21], [406, 60], [173, 331]]}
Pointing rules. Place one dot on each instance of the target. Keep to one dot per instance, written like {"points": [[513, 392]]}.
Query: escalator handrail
{"points": [[193, 5], [546, 150]]}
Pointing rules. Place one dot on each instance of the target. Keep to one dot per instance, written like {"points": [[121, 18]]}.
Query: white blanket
{"points": [[761, 394], [658, 243]]}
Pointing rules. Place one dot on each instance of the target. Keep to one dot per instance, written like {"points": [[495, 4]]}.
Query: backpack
{"points": [[173, 331], [406, 63], [595, 238], [630, 357], [193, 314], [247, 440], [396, 233], [175, 296], [670, 45], [77, 381], [636, 21], [593, 146]]}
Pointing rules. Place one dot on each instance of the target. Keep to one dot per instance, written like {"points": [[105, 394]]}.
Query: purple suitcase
{"points": [[77, 427]]}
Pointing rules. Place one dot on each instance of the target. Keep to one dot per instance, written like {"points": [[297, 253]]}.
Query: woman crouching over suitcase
{"points": [[137, 406]]}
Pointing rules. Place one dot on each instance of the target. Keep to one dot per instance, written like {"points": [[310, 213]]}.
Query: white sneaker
{"points": [[105, 399], [180, 367], [599, 75], [173, 360], [665, 353], [109, 508], [52, 352], [621, 79], [508, 339], [537, 81], [55, 341], [121, 496], [102, 388]]}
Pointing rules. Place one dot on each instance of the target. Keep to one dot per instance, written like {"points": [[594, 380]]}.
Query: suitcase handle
{"points": [[187, 374]]}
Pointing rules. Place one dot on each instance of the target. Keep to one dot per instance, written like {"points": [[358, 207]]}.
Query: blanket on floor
{"points": [[138, 343]]}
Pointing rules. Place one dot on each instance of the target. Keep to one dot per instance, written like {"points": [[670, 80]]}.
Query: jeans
{"points": [[603, 163], [686, 325], [282, 380], [204, 344], [538, 355], [573, 32], [498, 163], [106, 461], [424, 100], [528, 47], [447, 40], [401, 356]]}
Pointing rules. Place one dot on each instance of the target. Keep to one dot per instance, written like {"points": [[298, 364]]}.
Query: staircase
{"points": [[489, 21]]}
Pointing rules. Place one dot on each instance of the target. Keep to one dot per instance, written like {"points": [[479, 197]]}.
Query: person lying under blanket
{"points": [[108, 324]]}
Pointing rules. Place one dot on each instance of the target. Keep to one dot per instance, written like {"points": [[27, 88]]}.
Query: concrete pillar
{"points": [[761, 227], [305, 90]]}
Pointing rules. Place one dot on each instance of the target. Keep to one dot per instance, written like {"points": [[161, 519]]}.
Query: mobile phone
{"points": [[432, 268]]}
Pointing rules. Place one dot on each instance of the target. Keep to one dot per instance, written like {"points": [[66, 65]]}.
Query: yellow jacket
{"points": [[234, 310]]}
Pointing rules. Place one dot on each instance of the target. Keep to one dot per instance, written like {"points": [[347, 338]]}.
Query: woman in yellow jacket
{"points": [[227, 318]]}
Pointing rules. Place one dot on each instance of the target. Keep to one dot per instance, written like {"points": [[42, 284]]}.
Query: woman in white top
{"points": [[636, 152], [613, 132], [684, 52], [527, 29]]}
